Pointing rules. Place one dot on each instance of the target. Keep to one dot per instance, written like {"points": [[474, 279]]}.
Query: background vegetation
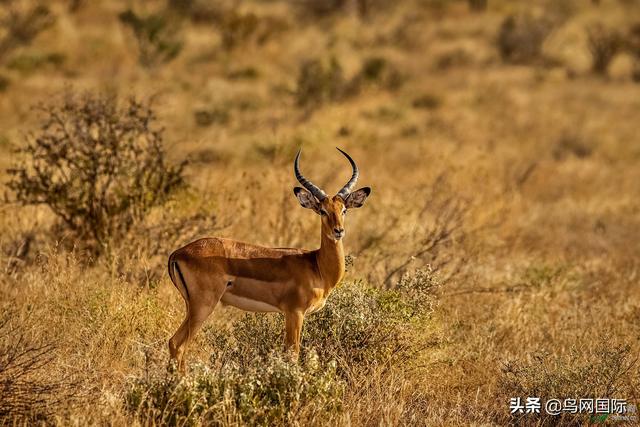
{"points": [[496, 258]]}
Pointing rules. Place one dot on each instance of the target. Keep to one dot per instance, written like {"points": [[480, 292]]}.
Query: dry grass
{"points": [[517, 183]]}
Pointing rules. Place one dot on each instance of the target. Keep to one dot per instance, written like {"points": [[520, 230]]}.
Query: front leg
{"points": [[293, 328]]}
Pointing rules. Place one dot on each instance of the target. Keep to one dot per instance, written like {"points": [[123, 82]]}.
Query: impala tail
{"points": [[177, 278]]}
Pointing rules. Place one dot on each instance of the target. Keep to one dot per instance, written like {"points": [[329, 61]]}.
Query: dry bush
{"points": [[433, 247], [157, 35], [477, 5], [32, 62], [4, 83], [315, 9], [76, 5], [184, 7], [208, 117], [377, 71], [432, 240], [222, 112], [452, 59], [201, 12], [366, 7], [632, 45], [21, 22], [604, 45], [99, 166], [243, 73], [238, 28], [602, 371], [28, 393], [324, 81], [521, 37], [320, 81], [428, 101], [17, 252], [571, 143], [320, 8]]}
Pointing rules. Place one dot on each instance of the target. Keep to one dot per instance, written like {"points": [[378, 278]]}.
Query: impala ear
{"points": [[357, 198], [306, 199]]}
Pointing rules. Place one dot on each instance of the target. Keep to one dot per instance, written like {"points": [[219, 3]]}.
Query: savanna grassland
{"points": [[498, 255]]}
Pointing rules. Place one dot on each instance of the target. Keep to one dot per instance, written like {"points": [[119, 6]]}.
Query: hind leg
{"points": [[180, 340], [176, 344], [199, 309]]}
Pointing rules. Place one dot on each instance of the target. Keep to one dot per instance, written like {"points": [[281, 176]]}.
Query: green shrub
{"points": [[356, 326], [274, 391], [360, 324], [100, 167]]}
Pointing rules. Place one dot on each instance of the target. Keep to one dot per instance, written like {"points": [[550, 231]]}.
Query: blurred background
{"points": [[500, 138]]}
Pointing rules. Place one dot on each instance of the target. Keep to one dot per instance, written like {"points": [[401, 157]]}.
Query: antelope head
{"points": [[332, 210]]}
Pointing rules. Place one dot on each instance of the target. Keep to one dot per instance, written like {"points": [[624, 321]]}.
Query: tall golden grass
{"points": [[516, 181]]}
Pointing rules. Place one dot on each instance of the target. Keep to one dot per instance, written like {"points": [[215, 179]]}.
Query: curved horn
{"points": [[313, 189], [344, 192]]}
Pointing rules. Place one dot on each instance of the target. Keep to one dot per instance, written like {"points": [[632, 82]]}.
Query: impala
{"points": [[295, 282]]}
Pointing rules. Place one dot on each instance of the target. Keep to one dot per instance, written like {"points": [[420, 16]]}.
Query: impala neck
{"points": [[330, 259]]}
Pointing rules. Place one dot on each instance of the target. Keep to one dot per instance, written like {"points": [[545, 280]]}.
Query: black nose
{"points": [[338, 230]]}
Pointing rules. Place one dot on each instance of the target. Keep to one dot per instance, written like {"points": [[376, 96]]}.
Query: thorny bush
{"points": [[98, 165]]}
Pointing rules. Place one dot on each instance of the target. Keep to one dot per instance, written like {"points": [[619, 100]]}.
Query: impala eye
{"points": [[344, 212], [323, 212]]}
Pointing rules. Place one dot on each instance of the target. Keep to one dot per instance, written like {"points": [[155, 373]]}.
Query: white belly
{"points": [[248, 304]]}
